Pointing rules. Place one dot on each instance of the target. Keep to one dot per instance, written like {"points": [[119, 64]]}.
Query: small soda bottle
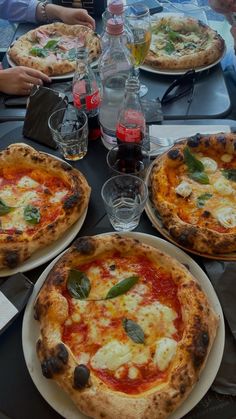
{"points": [[130, 128], [86, 95], [131, 124]]}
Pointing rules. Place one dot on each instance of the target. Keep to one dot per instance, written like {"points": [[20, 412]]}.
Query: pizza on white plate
{"points": [[125, 329]]}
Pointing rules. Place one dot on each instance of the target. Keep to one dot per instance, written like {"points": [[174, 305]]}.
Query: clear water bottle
{"points": [[86, 94], [115, 9], [115, 67], [131, 124]]}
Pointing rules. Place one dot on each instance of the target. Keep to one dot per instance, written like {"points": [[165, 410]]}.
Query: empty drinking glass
{"points": [[124, 198]]}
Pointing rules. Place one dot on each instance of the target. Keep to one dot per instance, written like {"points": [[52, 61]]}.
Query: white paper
{"points": [[7, 310]]}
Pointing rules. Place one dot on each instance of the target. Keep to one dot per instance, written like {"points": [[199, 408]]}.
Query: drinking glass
{"points": [[69, 128], [124, 197], [138, 17], [128, 158]]}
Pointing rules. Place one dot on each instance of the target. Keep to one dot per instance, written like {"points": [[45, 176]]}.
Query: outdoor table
{"points": [[209, 98], [19, 398]]}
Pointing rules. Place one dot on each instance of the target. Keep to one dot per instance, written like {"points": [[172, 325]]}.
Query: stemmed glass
{"points": [[138, 17]]}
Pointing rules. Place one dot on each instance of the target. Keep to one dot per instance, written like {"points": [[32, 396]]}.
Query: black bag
{"points": [[42, 103]]}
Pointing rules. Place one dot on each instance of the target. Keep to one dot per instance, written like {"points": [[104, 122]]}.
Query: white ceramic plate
{"points": [[179, 72], [60, 401], [61, 77]]}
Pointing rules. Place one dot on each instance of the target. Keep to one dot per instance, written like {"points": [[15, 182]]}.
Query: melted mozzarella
{"points": [[223, 186], [27, 182], [157, 316], [226, 217], [58, 196], [165, 352], [83, 358], [184, 189], [14, 219], [209, 164], [133, 373], [111, 356]]}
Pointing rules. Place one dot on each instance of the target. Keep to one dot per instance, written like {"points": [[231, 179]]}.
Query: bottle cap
{"points": [[114, 26], [116, 7]]}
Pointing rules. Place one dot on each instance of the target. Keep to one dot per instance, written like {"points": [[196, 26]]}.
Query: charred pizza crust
{"points": [[193, 227], [173, 53], [93, 396], [51, 65], [16, 245]]}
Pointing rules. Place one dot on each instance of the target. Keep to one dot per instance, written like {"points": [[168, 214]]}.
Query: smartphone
{"points": [[153, 5]]}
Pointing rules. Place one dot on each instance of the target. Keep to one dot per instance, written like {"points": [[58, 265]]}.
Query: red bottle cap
{"points": [[116, 7], [114, 26]]}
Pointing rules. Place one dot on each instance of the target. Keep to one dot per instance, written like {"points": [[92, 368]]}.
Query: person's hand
{"points": [[20, 80], [74, 16], [223, 6]]}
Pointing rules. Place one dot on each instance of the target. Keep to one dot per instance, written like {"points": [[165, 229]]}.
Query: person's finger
{"points": [[37, 74], [34, 81]]}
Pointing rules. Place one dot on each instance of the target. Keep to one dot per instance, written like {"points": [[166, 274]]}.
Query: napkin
{"points": [[14, 294], [223, 277]]}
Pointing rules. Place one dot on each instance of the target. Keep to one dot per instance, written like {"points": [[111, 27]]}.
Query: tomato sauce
{"points": [[147, 378]]}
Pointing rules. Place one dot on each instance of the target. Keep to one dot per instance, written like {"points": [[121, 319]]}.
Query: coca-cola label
{"points": [[129, 135], [93, 101], [132, 128]]}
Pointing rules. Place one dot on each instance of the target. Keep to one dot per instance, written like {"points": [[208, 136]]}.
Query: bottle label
{"points": [[133, 127], [129, 135], [93, 101]]}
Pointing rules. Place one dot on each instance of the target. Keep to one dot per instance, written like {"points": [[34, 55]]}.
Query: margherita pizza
{"points": [[125, 329], [180, 43], [193, 187], [40, 198], [52, 48]]}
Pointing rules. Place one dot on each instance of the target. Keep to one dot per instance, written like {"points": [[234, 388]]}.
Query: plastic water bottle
{"points": [[86, 94], [115, 67], [115, 9]]}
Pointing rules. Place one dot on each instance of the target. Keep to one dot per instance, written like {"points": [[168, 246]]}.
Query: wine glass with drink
{"points": [[138, 17]]}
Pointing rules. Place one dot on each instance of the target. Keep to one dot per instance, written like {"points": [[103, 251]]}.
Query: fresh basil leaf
{"points": [[71, 55], [122, 287], [78, 284], [200, 177], [201, 199], [194, 165], [38, 52], [31, 214], [169, 48], [5, 209], [133, 330], [173, 35], [229, 174], [51, 44]]}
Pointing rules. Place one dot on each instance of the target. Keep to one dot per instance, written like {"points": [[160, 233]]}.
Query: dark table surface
{"points": [[210, 97], [19, 398]]}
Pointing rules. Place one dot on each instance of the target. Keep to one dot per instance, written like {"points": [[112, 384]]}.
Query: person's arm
{"points": [[18, 10], [64, 14]]}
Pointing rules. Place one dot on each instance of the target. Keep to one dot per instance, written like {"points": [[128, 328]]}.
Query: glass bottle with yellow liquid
{"points": [[138, 17]]}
